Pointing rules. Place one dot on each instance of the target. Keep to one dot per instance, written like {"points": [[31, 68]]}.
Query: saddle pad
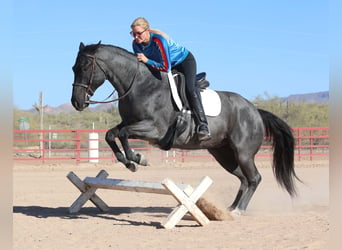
{"points": [[211, 102], [210, 99]]}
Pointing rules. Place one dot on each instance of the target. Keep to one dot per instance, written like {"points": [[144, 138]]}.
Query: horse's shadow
{"points": [[86, 212]]}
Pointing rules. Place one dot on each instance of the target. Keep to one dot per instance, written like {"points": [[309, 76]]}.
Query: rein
{"points": [[90, 92]]}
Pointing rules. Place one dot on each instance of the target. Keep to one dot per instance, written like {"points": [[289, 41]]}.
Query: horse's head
{"points": [[88, 76]]}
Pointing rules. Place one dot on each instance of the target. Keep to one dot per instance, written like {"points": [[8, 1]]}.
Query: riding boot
{"points": [[202, 128]]}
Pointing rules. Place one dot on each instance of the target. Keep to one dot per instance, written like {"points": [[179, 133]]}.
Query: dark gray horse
{"points": [[148, 113]]}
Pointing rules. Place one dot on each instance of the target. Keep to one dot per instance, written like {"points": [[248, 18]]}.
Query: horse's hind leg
{"points": [[243, 187], [225, 156], [244, 169], [249, 170]]}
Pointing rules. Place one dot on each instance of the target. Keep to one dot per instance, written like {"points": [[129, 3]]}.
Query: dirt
{"points": [[43, 194]]}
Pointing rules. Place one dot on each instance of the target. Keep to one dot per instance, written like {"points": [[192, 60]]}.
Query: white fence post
{"points": [[94, 147]]}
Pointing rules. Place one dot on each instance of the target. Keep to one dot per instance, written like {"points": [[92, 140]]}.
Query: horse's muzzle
{"points": [[79, 107], [80, 102]]}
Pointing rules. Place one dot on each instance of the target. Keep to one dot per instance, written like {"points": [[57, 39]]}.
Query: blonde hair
{"points": [[159, 32], [143, 23]]}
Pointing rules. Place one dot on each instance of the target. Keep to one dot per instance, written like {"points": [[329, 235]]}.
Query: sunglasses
{"points": [[134, 34]]}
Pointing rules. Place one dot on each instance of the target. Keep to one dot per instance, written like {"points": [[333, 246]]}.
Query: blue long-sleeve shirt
{"points": [[162, 54]]}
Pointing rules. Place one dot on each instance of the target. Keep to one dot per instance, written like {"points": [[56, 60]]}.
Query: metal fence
{"points": [[78, 146]]}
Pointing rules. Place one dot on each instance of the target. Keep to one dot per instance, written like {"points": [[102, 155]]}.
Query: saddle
{"points": [[181, 123], [201, 83]]}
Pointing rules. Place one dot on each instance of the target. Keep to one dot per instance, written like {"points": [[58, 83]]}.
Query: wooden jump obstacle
{"points": [[184, 194]]}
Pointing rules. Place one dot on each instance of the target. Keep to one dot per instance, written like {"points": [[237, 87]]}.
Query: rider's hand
{"points": [[141, 57]]}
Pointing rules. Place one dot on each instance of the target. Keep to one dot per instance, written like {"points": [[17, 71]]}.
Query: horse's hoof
{"points": [[236, 213], [131, 166], [143, 161]]}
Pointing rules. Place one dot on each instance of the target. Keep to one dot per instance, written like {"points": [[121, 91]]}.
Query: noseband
{"points": [[90, 92]]}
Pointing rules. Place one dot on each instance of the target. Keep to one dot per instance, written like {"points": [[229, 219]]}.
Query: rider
{"points": [[158, 51]]}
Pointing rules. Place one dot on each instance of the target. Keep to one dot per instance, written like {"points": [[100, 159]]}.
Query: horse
{"points": [[148, 113]]}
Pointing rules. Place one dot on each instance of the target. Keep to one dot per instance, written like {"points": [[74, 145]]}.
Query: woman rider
{"points": [[155, 49]]}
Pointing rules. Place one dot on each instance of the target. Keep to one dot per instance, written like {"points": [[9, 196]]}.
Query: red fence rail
{"points": [[74, 145]]}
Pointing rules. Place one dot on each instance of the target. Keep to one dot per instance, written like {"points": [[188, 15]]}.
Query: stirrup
{"points": [[203, 133]]}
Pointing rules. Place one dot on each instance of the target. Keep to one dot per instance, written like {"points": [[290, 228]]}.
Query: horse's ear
{"points": [[81, 46]]}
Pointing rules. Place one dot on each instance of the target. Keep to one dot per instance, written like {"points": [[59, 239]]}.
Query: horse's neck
{"points": [[121, 67], [125, 72]]}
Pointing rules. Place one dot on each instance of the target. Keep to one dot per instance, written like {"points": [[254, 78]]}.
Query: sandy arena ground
{"points": [[42, 196]]}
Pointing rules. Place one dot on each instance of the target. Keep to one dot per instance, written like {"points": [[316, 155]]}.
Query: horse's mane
{"points": [[92, 48]]}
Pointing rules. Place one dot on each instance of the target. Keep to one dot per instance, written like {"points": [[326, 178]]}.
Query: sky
{"points": [[254, 48]]}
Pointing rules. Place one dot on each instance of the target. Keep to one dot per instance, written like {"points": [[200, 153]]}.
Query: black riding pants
{"points": [[189, 68]]}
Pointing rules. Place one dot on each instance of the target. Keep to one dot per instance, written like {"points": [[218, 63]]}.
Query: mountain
{"points": [[64, 108], [68, 108], [318, 97]]}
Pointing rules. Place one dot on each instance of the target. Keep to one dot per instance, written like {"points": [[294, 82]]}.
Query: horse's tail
{"points": [[281, 135]]}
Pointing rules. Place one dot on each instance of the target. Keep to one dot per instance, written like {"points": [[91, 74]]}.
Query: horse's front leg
{"points": [[110, 139], [143, 129], [130, 154]]}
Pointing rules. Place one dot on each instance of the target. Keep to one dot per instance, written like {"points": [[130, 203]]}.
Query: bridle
{"points": [[90, 92]]}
